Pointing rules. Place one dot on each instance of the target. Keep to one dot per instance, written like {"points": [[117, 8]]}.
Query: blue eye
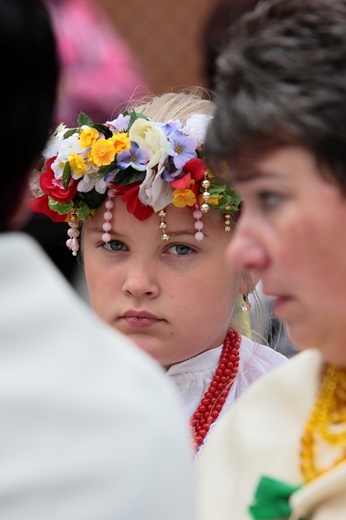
{"points": [[180, 249], [115, 245]]}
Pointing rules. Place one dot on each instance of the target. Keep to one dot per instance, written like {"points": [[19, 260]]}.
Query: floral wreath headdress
{"points": [[148, 164]]}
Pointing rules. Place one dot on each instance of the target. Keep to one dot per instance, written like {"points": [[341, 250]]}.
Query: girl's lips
{"points": [[139, 318]]}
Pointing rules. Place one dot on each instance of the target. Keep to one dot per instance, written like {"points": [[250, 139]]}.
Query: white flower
{"points": [[86, 184], [150, 137], [196, 125], [62, 148], [89, 182], [154, 191]]}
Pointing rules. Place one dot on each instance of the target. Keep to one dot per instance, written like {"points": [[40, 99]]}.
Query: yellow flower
{"points": [[87, 137], [214, 201], [77, 163], [102, 152], [182, 198], [120, 141]]}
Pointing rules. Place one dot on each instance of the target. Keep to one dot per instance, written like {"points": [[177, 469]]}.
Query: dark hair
{"points": [[28, 87], [282, 80], [214, 34]]}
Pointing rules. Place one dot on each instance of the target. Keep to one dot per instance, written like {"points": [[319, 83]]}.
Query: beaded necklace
{"points": [[327, 422], [214, 398]]}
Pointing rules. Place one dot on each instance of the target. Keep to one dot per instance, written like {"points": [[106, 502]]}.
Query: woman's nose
{"points": [[245, 252]]}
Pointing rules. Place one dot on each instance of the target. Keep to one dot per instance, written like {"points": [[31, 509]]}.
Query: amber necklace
{"points": [[214, 398], [327, 422]]}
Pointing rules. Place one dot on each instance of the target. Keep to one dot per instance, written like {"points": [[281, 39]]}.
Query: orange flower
{"points": [[182, 198], [102, 152]]}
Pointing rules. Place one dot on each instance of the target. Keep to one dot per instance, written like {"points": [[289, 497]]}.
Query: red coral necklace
{"points": [[214, 398]]}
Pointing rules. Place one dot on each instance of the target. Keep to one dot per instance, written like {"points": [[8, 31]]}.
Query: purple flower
{"points": [[170, 173], [170, 127], [182, 148], [136, 157], [121, 123]]}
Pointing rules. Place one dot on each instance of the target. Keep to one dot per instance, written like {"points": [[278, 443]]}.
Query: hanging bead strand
{"points": [[108, 215], [73, 233], [198, 225]]}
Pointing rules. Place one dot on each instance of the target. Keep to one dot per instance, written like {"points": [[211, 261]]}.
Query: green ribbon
{"points": [[272, 500]]}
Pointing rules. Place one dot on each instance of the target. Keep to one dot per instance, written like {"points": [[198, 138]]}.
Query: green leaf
{"points": [[60, 207], [83, 211], [103, 129], [134, 115], [70, 132], [128, 176], [92, 198], [66, 175], [103, 170], [83, 119]]}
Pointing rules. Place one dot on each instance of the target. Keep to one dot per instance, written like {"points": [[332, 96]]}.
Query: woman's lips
{"points": [[140, 319], [280, 303]]}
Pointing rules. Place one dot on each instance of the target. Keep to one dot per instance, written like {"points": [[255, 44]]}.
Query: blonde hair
{"points": [[170, 105]]}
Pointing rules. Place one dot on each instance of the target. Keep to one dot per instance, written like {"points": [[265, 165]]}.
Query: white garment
{"points": [[90, 427], [261, 436], [193, 376]]}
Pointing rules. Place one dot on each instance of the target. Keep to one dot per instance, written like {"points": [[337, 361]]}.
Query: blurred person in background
{"points": [[90, 427]]}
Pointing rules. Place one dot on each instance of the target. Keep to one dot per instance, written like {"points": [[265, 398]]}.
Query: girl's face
{"points": [[173, 299], [292, 230]]}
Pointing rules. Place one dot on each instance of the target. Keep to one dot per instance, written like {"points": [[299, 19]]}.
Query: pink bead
{"points": [[199, 236], [72, 232], [109, 204], [69, 243], [198, 225], [197, 213], [106, 237], [75, 244], [107, 226], [107, 215]]}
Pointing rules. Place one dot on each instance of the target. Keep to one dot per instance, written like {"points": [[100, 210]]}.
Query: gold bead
{"points": [[165, 237], [163, 225], [206, 183], [204, 208], [206, 196], [162, 214]]}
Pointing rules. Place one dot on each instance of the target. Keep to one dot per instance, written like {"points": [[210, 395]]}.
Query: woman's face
{"points": [[293, 232], [173, 299]]}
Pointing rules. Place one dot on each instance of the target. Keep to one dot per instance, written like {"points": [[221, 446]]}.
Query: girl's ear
{"points": [[248, 282]]}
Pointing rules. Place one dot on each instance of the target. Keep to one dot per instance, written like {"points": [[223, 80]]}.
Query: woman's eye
{"points": [[180, 249], [115, 245], [269, 200]]}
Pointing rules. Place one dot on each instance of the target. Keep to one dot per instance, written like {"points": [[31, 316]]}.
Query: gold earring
{"points": [[228, 220]]}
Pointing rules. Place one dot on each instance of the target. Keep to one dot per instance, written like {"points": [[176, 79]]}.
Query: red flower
{"points": [[193, 169], [54, 188], [40, 205], [134, 205]]}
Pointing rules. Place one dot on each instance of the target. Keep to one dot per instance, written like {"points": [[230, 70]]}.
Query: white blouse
{"points": [[193, 376]]}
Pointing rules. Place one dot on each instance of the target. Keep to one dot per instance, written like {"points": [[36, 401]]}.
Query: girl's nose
{"points": [[141, 282]]}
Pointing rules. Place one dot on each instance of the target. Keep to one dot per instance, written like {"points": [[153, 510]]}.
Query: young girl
{"points": [[156, 228]]}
